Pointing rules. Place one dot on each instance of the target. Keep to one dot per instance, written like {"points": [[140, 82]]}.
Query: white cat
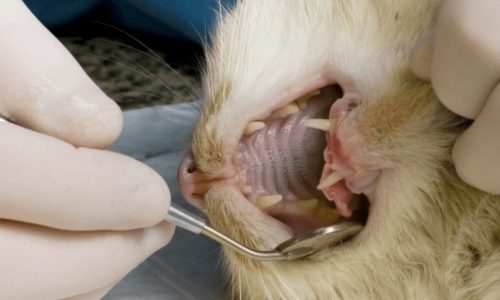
{"points": [[262, 174]]}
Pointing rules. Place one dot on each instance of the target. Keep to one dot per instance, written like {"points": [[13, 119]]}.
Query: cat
{"points": [[310, 104]]}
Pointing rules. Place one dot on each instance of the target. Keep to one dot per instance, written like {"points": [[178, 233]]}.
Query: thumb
{"points": [[421, 57], [476, 152]]}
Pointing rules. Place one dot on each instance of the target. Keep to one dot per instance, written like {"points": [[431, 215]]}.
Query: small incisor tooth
{"points": [[321, 124], [308, 205], [331, 179], [247, 189], [287, 110], [264, 202], [302, 101], [253, 127]]}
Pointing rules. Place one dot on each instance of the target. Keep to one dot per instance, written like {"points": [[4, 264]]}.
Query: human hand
{"points": [[73, 220], [462, 61]]}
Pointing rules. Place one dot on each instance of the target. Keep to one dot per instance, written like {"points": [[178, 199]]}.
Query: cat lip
{"points": [[342, 176]]}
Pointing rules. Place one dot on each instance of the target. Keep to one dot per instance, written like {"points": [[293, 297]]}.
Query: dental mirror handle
{"points": [[196, 225], [185, 220]]}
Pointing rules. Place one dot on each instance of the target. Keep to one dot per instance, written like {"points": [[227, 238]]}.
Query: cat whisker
{"points": [[264, 285], [151, 95], [153, 76], [150, 54], [121, 64]]}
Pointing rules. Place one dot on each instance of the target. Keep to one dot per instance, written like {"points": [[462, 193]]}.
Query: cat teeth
{"points": [[328, 214], [247, 189], [302, 101], [321, 124], [287, 110], [308, 205], [330, 180], [314, 208], [253, 127], [264, 202]]}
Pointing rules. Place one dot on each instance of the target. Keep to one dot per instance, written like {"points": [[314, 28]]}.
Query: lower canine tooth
{"points": [[289, 109], [328, 214], [264, 202], [331, 179], [308, 205], [321, 124], [253, 127]]}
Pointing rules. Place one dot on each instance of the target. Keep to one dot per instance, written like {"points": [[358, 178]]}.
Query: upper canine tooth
{"points": [[253, 127], [321, 124], [264, 202], [287, 110], [331, 179]]}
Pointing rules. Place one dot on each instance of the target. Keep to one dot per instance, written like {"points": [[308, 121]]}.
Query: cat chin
{"points": [[230, 211]]}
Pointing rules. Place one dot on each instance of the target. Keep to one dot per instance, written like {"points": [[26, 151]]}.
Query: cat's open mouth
{"points": [[288, 165], [285, 169]]}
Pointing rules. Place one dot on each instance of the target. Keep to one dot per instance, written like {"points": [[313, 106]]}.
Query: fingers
{"points": [[421, 57], [466, 58], [62, 264], [476, 151], [43, 88], [97, 294], [49, 182]]}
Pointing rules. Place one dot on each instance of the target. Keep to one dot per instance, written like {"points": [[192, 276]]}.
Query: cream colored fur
{"points": [[429, 235]]}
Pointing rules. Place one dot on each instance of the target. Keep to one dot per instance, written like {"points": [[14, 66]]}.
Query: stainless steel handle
{"points": [[237, 247], [185, 219], [195, 224]]}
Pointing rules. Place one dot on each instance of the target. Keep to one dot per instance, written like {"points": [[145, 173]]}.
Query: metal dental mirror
{"points": [[294, 248]]}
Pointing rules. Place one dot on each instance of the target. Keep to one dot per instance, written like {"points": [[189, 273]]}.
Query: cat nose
{"points": [[192, 182]]}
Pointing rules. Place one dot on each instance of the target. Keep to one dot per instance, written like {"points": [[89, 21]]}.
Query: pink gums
{"points": [[338, 192], [336, 159]]}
